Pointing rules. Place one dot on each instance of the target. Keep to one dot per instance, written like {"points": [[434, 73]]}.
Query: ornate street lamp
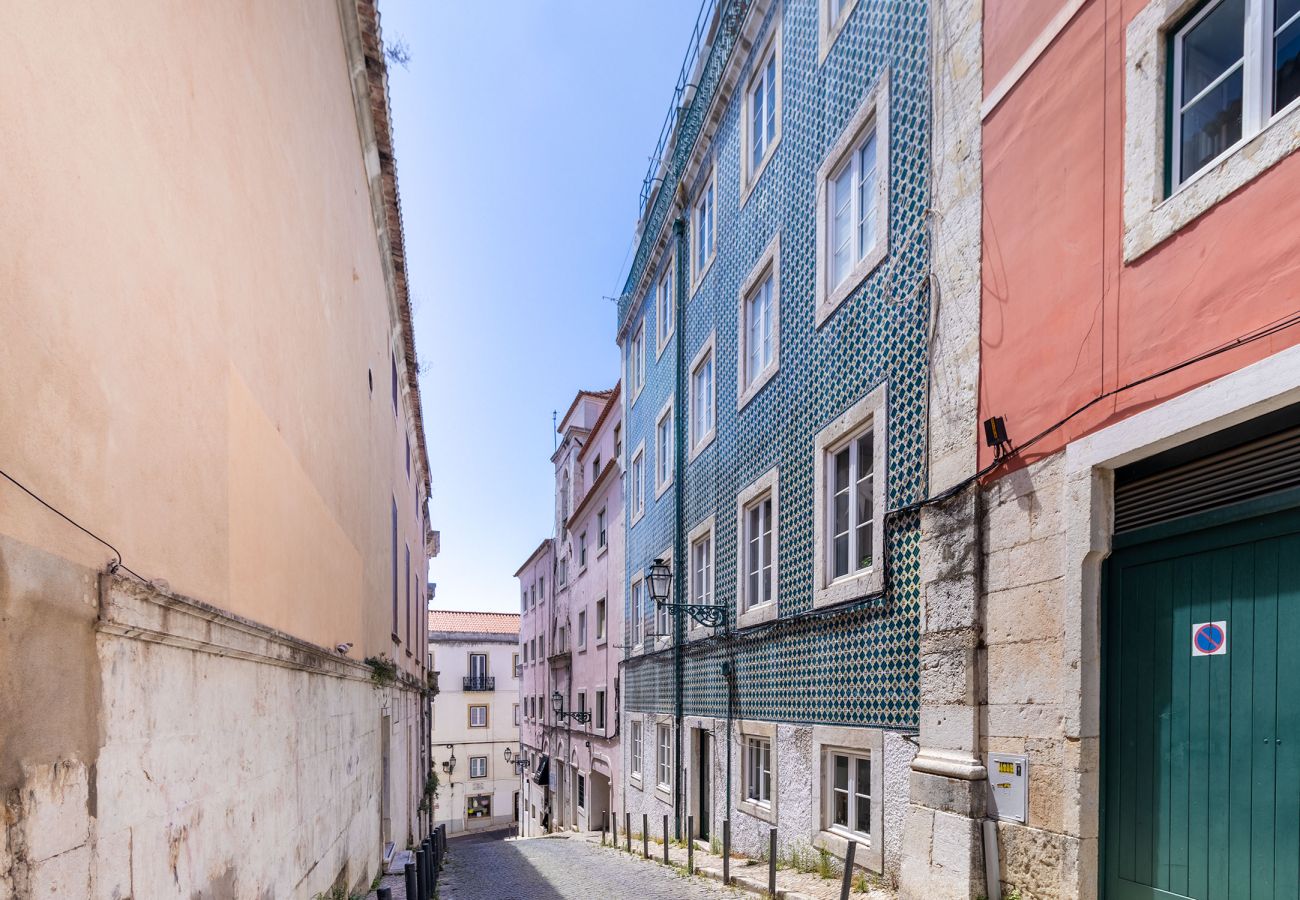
{"points": [[661, 582], [557, 703], [519, 762], [449, 764]]}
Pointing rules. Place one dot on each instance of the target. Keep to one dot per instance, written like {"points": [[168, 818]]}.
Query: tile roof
{"points": [[444, 620]]}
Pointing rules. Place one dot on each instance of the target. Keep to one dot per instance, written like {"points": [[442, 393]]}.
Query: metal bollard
{"points": [[771, 862], [421, 873], [627, 830], [613, 824], [384, 894], [847, 884], [665, 840], [690, 845], [412, 880], [726, 851], [645, 835], [429, 866]]}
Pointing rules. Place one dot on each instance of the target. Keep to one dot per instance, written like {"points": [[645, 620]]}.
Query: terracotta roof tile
{"points": [[443, 620]]}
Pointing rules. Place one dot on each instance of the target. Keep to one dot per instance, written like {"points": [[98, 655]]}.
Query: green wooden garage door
{"points": [[1201, 754]]}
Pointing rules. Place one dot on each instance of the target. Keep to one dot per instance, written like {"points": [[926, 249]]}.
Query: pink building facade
{"points": [[569, 650]]}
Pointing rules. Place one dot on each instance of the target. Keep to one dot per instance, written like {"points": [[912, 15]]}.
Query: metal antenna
{"points": [[555, 439]]}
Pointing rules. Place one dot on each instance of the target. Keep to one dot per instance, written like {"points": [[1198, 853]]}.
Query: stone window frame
{"points": [[768, 482], [872, 114], [769, 263], [484, 773], [771, 45], [636, 625], [664, 791], [698, 271], [637, 484], [600, 706], [861, 741], [665, 412], [828, 31], [469, 715], [601, 609], [636, 362], [748, 728], [1151, 217], [665, 276], [635, 765], [698, 443], [708, 526], [868, 413]]}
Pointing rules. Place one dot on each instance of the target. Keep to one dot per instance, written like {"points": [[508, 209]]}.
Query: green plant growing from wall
{"points": [[383, 671], [431, 785]]}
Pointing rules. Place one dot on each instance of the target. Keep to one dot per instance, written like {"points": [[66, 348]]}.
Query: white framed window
{"points": [[831, 18], [853, 202], [702, 398], [1211, 103], [636, 749], [637, 485], [846, 808], [582, 701], [478, 717], [582, 550], [541, 587], [664, 755], [702, 570], [758, 552], [636, 362], [636, 611], [665, 308], [664, 449], [704, 227], [600, 620], [758, 770], [761, 128], [478, 767], [516, 713], [757, 516], [600, 710], [1235, 65], [849, 494], [758, 339], [601, 539], [582, 629]]}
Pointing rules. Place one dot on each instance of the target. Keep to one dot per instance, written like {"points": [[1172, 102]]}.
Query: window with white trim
{"points": [[582, 550], [600, 530], [853, 209], [665, 309], [757, 550], [846, 805], [478, 717], [702, 399], [638, 483], [664, 449], [760, 349], [705, 228], [849, 492], [636, 594], [701, 572], [478, 767], [636, 362], [516, 713], [664, 755], [758, 770], [1235, 66], [635, 749], [600, 709], [762, 105], [600, 619], [582, 629]]}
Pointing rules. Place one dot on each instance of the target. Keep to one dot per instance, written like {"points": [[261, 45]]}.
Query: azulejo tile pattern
{"points": [[858, 664]]}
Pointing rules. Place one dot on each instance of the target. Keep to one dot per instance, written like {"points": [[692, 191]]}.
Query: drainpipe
{"points": [[679, 472], [729, 676]]}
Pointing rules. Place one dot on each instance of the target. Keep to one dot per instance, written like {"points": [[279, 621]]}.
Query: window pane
{"points": [[753, 337], [863, 785], [766, 320], [756, 142], [1211, 124], [766, 543], [1213, 46], [770, 97], [867, 197], [1286, 61], [841, 230], [841, 772], [1285, 11]]}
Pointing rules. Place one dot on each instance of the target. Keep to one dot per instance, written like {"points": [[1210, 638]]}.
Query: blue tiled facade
{"points": [[856, 663]]}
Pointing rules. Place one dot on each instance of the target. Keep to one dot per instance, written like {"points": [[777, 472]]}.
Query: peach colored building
{"points": [[569, 637], [210, 402]]}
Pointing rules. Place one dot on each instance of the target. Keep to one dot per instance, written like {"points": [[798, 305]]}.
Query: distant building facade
{"points": [[570, 640], [211, 369], [476, 718]]}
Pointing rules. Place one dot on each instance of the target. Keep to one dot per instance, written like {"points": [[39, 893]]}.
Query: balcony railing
{"points": [[480, 683]]}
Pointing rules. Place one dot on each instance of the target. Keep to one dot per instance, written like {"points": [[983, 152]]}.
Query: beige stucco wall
{"points": [[194, 305]]}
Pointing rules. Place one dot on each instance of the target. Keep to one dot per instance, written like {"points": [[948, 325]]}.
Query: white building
{"points": [[475, 717]]}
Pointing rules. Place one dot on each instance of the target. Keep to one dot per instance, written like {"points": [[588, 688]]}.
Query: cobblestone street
{"points": [[490, 868]]}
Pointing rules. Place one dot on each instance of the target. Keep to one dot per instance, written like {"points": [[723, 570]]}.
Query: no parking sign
{"points": [[1210, 639]]}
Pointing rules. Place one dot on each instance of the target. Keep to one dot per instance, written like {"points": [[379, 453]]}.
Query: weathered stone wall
{"points": [[230, 761], [1033, 699]]}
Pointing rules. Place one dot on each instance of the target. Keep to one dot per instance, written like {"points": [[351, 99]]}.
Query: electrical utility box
{"points": [[1008, 786]]}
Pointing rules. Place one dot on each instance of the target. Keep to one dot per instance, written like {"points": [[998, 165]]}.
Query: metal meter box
{"points": [[1008, 786]]}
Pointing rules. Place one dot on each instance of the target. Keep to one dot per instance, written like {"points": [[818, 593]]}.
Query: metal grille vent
{"points": [[1241, 473]]}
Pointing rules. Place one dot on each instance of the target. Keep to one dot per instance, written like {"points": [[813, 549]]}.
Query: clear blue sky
{"points": [[522, 133]]}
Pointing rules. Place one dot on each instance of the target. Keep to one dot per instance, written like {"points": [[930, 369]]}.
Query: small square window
{"points": [[846, 808], [478, 717], [758, 771], [478, 767]]}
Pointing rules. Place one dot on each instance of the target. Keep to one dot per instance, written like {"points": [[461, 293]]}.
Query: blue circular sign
{"points": [[1208, 638]]}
